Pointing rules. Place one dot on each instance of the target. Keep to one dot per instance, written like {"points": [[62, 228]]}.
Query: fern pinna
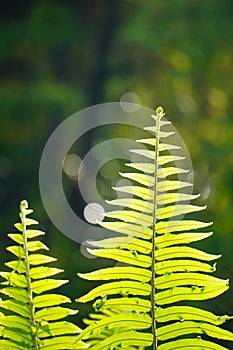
{"points": [[31, 317], [161, 269]]}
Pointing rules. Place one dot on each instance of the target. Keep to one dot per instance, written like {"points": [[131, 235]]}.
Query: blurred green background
{"points": [[57, 57]]}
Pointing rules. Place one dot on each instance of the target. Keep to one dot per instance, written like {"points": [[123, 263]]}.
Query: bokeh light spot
{"points": [[110, 169], [94, 212], [217, 98], [180, 61], [186, 104], [72, 164], [84, 251], [130, 102]]}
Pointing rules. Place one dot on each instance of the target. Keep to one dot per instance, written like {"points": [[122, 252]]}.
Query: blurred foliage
{"points": [[58, 57]]}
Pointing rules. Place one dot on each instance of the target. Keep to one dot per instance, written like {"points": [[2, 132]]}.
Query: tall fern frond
{"points": [[32, 318], [161, 269]]}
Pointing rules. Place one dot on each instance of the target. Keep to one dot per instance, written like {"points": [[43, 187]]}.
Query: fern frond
{"points": [[161, 268], [34, 319]]}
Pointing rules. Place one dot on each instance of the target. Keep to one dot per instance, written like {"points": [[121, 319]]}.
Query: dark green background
{"points": [[57, 57]]}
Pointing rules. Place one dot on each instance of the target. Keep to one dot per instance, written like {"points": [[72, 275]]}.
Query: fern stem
{"points": [[23, 208], [159, 114]]}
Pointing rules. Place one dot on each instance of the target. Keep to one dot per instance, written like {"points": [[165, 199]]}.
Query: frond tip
{"points": [[159, 269], [34, 319]]}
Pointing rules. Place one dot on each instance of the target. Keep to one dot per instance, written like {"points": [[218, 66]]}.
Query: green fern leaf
{"points": [[161, 269], [31, 315], [100, 330]]}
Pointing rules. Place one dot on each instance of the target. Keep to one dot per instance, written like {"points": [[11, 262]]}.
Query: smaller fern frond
{"points": [[33, 318]]}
